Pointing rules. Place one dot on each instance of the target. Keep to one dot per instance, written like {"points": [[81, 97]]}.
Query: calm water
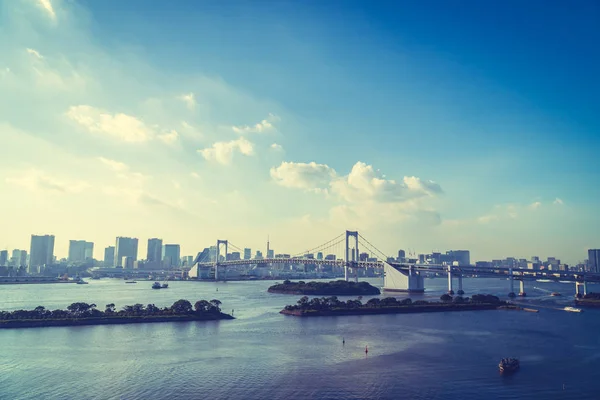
{"points": [[264, 355]]}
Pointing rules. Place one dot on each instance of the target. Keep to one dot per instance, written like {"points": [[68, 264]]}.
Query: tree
{"points": [[374, 303], [287, 282], [182, 307], [110, 308], [78, 309], [202, 306], [459, 300], [446, 298], [216, 304]]}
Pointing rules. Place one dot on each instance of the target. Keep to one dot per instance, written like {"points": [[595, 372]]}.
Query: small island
{"points": [[329, 306], [87, 314], [589, 300], [333, 288]]}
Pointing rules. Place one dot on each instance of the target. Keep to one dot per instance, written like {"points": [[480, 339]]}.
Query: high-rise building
{"points": [[80, 250], [109, 256], [258, 255], [594, 260], [401, 255], [41, 252], [170, 255], [234, 256], [3, 258], [89, 251], [125, 247], [15, 258], [463, 257], [320, 255], [155, 248], [187, 261], [270, 253], [23, 258], [247, 254], [127, 262]]}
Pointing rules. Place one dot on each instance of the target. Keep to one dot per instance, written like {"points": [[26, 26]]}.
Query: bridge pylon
{"points": [[218, 255], [349, 254]]}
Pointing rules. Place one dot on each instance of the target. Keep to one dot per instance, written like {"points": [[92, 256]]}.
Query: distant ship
{"points": [[130, 281], [572, 309], [156, 285], [508, 365], [555, 294]]}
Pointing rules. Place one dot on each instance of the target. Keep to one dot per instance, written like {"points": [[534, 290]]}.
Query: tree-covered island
{"points": [[87, 314], [390, 305], [589, 299], [333, 288]]}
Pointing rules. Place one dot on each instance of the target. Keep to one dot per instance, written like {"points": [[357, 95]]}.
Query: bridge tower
{"points": [[217, 255], [354, 235]]}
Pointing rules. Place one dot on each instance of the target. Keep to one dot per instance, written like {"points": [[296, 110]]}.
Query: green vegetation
{"points": [[389, 305], [589, 299], [88, 314], [333, 288]]}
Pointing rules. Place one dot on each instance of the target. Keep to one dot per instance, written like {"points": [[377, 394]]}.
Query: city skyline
{"points": [[418, 139]]}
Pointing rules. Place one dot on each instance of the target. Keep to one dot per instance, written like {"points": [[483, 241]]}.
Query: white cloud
{"points": [[47, 6], [119, 126], [195, 175], [535, 205], [169, 137], [34, 53], [222, 152], [189, 100], [486, 218], [263, 126], [276, 147], [38, 181], [308, 176], [558, 202], [365, 183], [114, 165]]}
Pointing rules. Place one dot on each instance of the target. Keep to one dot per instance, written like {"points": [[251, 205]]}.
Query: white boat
{"points": [[572, 309], [543, 280]]}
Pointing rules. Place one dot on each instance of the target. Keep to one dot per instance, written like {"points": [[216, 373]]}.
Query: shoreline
{"points": [[397, 310], [45, 323], [331, 288]]}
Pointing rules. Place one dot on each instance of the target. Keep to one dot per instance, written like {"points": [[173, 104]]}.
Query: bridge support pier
{"points": [[450, 290], [460, 291], [350, 234], [580, 289], [216, 272], [522, 288], [396, 281], [511, 279]]}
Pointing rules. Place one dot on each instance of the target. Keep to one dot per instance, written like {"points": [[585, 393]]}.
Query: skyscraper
{"points": [[80, 250], [125, 247], [154, 250], [270, 253], [89, 251], [23, 258], [247, 254], [170, 255], [3, 258], [594, 260], [463, 257], [41, 252], [109, 256]]}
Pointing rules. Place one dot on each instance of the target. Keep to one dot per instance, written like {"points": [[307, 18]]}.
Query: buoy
{"points": [[343, 341], [366, 349]]}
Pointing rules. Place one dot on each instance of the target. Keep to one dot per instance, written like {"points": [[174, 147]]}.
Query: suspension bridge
{"points": [[398, 276]]}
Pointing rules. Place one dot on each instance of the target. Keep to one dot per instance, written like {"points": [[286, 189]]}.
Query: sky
{"points": [[426, 126]]}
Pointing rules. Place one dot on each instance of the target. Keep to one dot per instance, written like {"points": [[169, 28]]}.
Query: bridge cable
{"points": [[318, 247]]}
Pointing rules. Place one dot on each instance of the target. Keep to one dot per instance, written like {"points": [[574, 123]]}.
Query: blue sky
{"points": [[302, 119]]}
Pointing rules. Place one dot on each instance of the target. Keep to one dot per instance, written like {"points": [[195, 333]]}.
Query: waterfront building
{"points": [[80, 251], [247, 253], [41, 252], [125, 247], [270, 253], [593, 262], [258, 255], [363, 256], [109, 256], [154, 249], [3, 258], [330, 257], [320, 255], [127, 262], [234, 256], [401, 255], [463, 257], [171, 255]]}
